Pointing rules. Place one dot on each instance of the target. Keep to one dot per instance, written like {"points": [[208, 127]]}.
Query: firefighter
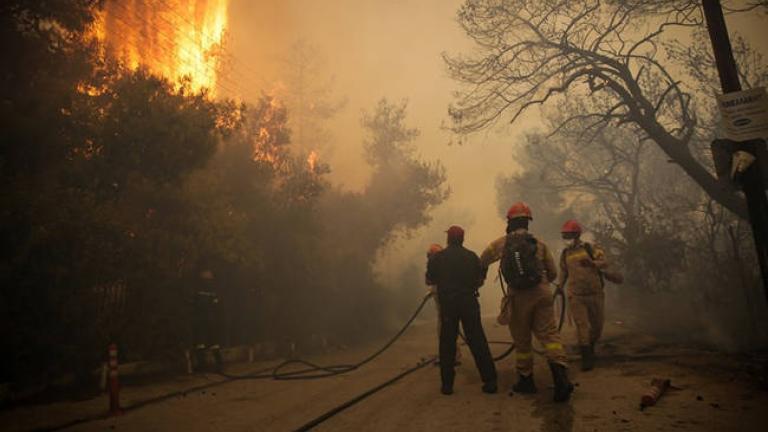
{"points": [[457, 274], [581, 266], [528, 267], [432, 292], [206, 311]]}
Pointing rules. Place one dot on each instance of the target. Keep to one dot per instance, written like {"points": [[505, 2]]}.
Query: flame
{"points": [[312, 160], [264, 148], [172, 38], [268, 156]]}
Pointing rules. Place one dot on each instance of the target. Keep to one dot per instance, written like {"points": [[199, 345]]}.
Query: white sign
{"points": [[745, 114]]}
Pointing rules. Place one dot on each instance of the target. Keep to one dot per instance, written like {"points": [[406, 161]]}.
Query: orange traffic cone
{"points": [[114, 384]]}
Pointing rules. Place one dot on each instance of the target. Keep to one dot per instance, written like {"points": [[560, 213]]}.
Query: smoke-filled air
{"points": [[384, 215]]}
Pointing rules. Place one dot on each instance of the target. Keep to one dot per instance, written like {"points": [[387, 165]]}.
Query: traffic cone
{"points": [[114, 384]]}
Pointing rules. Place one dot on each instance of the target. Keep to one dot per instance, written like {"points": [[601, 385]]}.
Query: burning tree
{"points": [[121, 188]]}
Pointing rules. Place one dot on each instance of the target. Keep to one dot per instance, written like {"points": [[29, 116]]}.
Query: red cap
{"points": [[455, 234]]}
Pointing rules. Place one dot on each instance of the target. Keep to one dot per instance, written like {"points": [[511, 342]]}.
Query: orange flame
{"points": [[312, 160], [171, 38]]}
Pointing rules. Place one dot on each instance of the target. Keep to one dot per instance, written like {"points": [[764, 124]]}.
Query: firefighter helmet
{"points": [[519, 209], [571, 226], [433, 249]]}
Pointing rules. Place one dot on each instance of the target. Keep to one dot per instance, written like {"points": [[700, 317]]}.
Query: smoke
{"points": [[373, 49], [313, 219], [391, 56]]}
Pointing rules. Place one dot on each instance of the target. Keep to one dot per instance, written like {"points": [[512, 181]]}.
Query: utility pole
{"points": [[752, 179]]}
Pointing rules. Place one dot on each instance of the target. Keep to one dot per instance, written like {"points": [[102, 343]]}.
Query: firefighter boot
{"points": [[563, 386], [524, 384], [447, 376], [490, 387], [446, 380], [587, 357]]}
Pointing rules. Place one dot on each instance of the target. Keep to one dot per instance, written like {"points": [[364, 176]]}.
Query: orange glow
{"points": [[312, 160], [171, 38], [269, 156]]}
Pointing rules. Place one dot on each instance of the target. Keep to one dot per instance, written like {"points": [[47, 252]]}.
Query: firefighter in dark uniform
{"points": [[206, 309], [457, 274]]}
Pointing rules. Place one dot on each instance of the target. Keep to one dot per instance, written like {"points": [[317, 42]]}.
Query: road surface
{"points": [[717, 392]]}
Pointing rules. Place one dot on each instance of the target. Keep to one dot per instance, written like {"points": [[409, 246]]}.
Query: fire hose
{"points": [[336, 410], [311, 371], [315, 371]]}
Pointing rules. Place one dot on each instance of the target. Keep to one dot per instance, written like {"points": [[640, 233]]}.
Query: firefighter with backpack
{"points": [[583, 267], [528, 268]]}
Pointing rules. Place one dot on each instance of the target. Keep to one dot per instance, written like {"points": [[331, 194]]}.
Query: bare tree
{"points": [[618, 183], [533, 52], [698, 62]]}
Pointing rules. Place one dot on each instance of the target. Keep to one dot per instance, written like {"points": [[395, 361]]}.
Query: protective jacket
{"points": [[531, 309], [580, 269], [456, 271]]}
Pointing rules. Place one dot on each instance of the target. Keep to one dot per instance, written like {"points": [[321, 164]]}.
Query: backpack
{"points": [[519, 265]]}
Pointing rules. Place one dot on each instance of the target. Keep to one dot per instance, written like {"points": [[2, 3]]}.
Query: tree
{"points": [[403, 187], [308, 95], [672, 242], [93, 159], [396, 201], [618, 185], [530, 53], [119, 188]]}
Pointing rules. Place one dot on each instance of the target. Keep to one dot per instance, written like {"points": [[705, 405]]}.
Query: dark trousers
{"points": [[464, 309]]}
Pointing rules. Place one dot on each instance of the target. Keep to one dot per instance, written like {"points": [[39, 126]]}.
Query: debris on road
{"points": [[658, 387]]}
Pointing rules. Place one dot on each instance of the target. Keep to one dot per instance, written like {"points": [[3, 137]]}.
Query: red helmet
{"points": [[455, 234], [519, 209], [571, 226], [433, 249]]}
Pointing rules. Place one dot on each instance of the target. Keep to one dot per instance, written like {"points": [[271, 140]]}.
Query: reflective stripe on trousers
{"points": [[533, 314]]}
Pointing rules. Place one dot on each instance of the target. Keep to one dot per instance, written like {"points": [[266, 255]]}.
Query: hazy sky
{"points": [[378, 48]]}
